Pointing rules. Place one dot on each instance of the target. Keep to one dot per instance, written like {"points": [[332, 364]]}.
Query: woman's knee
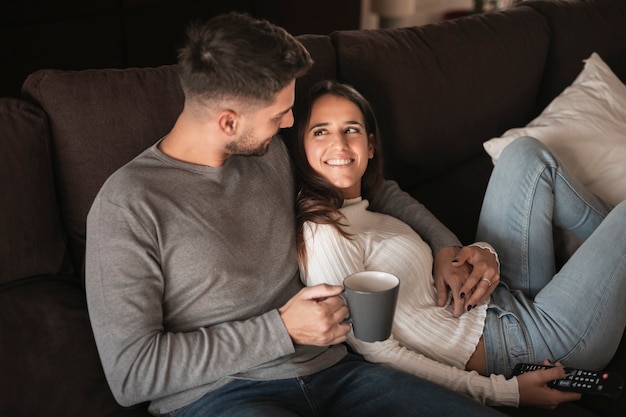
{"points": [[526, 147], [527, 152]]}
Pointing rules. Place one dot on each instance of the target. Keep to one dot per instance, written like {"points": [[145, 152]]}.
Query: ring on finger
{"points": [[485, 279]]}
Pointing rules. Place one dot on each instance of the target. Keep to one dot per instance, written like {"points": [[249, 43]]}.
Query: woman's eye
{"points": [[319, 132], [352, 130]]}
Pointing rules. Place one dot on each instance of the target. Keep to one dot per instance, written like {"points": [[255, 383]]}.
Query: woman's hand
{"points": [[535, 392], [484, 276], [470, 274]]}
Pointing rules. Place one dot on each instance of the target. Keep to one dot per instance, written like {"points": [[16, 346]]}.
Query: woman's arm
{"points": [[493, 390]]}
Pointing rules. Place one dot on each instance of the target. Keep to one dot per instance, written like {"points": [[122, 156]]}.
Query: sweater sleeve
{"points": [[485, 245], [144, 360], [391, 200], [494, 390]]}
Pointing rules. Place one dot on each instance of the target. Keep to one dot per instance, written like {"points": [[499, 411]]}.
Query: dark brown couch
{"points": [[439, 90]]}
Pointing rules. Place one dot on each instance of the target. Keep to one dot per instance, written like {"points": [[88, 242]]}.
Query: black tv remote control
{"points": [[608, 384]]}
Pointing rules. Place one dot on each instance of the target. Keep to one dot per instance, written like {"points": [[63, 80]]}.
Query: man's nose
{"points": [[287, 120]]}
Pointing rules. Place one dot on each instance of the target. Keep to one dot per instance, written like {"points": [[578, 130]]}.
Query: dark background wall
{"points": [[80, 34]]}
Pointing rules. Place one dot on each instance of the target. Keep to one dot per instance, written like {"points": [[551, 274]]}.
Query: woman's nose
{"points": [[339, 141]]}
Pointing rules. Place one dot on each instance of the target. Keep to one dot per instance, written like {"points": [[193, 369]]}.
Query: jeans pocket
{"points": [[516, 340]]}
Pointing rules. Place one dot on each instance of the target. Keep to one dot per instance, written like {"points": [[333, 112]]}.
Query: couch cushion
{"points": [[31, 238], [441, 90], [50, 365], [325, 67], [579, 28], [586, 127], [100, 119]]}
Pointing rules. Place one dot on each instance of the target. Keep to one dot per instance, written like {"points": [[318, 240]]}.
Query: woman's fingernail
{"points": [[462, 295]]}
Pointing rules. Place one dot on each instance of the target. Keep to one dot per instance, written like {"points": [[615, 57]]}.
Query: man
{"points": [[191, 273]]}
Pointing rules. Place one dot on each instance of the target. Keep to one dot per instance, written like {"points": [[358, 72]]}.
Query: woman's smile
{"points": [[336, 143]]}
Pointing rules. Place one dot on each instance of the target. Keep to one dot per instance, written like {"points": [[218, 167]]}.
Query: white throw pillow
{"points": [[586, 127]]}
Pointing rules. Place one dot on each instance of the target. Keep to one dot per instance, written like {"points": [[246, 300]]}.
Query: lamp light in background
{"points": [[481, 6], [392, 12]]}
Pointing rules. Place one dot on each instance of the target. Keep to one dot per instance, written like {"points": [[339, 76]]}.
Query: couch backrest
{"points": [[31, 236], [323, 53], [100, 119], [578, 28], [439, 91]]}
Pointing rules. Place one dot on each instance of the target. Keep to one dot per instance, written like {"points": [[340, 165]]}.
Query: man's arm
{"points": [[143, 357], [391, 200], [449, 275]]}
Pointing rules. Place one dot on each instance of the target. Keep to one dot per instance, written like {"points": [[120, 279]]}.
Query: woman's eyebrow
{"points": [[320, 124], [348, 122]]}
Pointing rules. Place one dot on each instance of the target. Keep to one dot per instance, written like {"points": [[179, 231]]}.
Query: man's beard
{"points": [[245, 146]]}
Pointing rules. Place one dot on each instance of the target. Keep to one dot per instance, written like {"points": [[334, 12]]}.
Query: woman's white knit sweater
{"points": [[426, 339]]}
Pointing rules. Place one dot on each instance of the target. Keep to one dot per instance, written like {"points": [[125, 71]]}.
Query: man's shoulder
{"points": [[129, 176]]}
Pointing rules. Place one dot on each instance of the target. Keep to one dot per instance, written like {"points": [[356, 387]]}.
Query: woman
{"points": [[339, 168]]}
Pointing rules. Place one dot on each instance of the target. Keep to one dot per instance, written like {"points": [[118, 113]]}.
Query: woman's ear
{"points": [[370, 146], [228, 121]]}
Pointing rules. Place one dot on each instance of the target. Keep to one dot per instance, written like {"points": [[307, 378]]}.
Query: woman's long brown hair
{"points": [[318, 201]]}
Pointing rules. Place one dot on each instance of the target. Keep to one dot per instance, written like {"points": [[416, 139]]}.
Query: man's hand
{"points": [[465, 273], [535, 392], [484, 276], [315, 315], [449, 278]]}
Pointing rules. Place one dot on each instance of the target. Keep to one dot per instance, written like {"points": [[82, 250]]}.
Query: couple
{"points": [[192, 280]]}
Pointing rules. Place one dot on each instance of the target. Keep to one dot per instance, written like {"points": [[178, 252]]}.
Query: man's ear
{"points": [[228, 121]]}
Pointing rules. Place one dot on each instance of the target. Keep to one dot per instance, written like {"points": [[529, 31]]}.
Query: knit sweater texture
{"points": [[426, 339]]}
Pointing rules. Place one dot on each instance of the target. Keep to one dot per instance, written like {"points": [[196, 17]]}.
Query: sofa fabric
{"points": [[576, 30], [439, 91], [32, 241], [99, 120], [50, 366], [410, 82]]}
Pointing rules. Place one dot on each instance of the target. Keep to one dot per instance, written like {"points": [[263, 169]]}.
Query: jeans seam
{"points": [[307, 394], [526, 231]]}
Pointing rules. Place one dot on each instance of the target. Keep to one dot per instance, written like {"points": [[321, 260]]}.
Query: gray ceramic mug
{"points": [[371, 298]]}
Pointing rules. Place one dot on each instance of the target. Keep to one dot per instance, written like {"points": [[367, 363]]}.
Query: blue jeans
{"points": [[352, 387], [574, 313]]}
